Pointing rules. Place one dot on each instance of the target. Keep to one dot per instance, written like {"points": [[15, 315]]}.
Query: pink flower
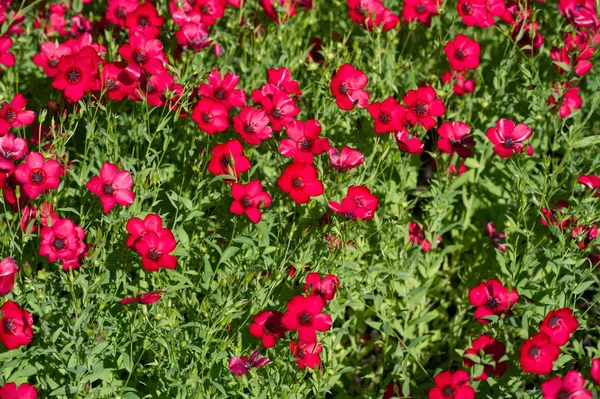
{"points": [[416, 235], [11, 149], [112, 186], [595, 371], [306, 354], [252, 125], [572, 387], [304, 142], [508, 138], [267, 326], [15, 114], [304, 314], [223, 90], [240, 366], [497, 238], [347, 87], [388, 115], [325, 288], [24, 391], [63, 241], [348, 159], [412, 145], [8, 271], [455, 138], [282, 78], [492, 298], [358, 203], [211, 116], [559, 325], [37, 175]]}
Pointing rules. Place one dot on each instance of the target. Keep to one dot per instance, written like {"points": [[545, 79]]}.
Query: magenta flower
{"points": [[112, 186], [241, 365], [508, 138]]}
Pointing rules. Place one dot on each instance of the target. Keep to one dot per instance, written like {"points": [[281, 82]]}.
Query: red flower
{"points": [[193, 34], [6, 58], [16, 326], [223, 90], [24, 391], [359, 203], [474, 12], [14, 114], [591, 181], [579, 13], [325, 288], [267, 326], [583, 235], [301, 182], [347, 87], [497, 238], [538, 354], [423, 106], [249, 199], [461, 85], [348, 159], [416, 235], [282, 78], [595, 371], [450, 385], [304, 141], [142, 54], [76, 76], [211, 116], [559, 325], [210, 11], [145, 299], [572, 387], [508, 138], [529, 36], [37, 175], [280, 108], [388, 115], [304, 314], [491, 298], [63, 241], [116, 82], [138, 228], [145, 20], [117, 10], [11, 149], [412, 145], [577, 50], [240, 366], [155, 251], [50, 56], [420, 10], [454, 138], [569, 101], [228, 159], [112, 186], [306, 354], [252, 125], [554, 215], [462, 53], [8, 271], [482, 347], [285, 8]]}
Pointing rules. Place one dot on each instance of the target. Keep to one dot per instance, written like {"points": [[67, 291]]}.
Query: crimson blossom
{"points": [[37, 175], [463, 53], [76, 74], [138, 228], [348, 159], [228, 159], [455, 138], [567, 102], [307, 354], [145, 298], [144, 20], [300, 181], [63, 241], [267, 326], [420, 10], [595, 370], [11, 149], [538, 354], [461, 85], [117, 10], [559, 325], [249, 199], [241, 365], [222, 89], [8, 271], [282, 78], [23, 391], [388, 115], [211, 116], [49, 57], [16, 326], [14, 114], [486, 346], [112, 186], [450, 385], [347, 86], [492, 298], [304, 142], [416, 235], [358, 203], [155, 250], [304, 314], [423, 106], [411, 145], [325, 288], [591, 181], [277, 104], [6, 58], [571, 387], [508, 138], [252, 124], [142, 54]]}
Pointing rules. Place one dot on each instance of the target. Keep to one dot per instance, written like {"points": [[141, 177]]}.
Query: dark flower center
{"points": [[421, 108], [300, 353], [120, 13], [10, 116], [140, 57], [349, 215], [205, 10], [154, 253], [150, 88], [53, 62], [305, 318], [219, 94], [305, 144], [562, 394], [9, 326], [111, 85], [143, 21], [269, 328], [277, 113], [108, 189], [492, 304], [448, 391], [460, 54], [384, 117], [554, 322], [246, 202], [207, 117], [467, 9], [59, 243], [297, 182], [73, 75], [508, 143], [343, 88], [225, 160], [534, 352], [420, 8], [37, 176], [249, 128]]}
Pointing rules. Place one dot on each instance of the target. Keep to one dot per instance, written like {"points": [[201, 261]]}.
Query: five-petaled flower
{"points": [[508, 138], [450, 385], [423, 107], [300, 181], [112, 186], [16, 326], [268, 327], [37, 175], [491, 298], [304, 142], [304, 314], [571, 387], [249, 199], [538, 354], [559, 325], [347, 85]]}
